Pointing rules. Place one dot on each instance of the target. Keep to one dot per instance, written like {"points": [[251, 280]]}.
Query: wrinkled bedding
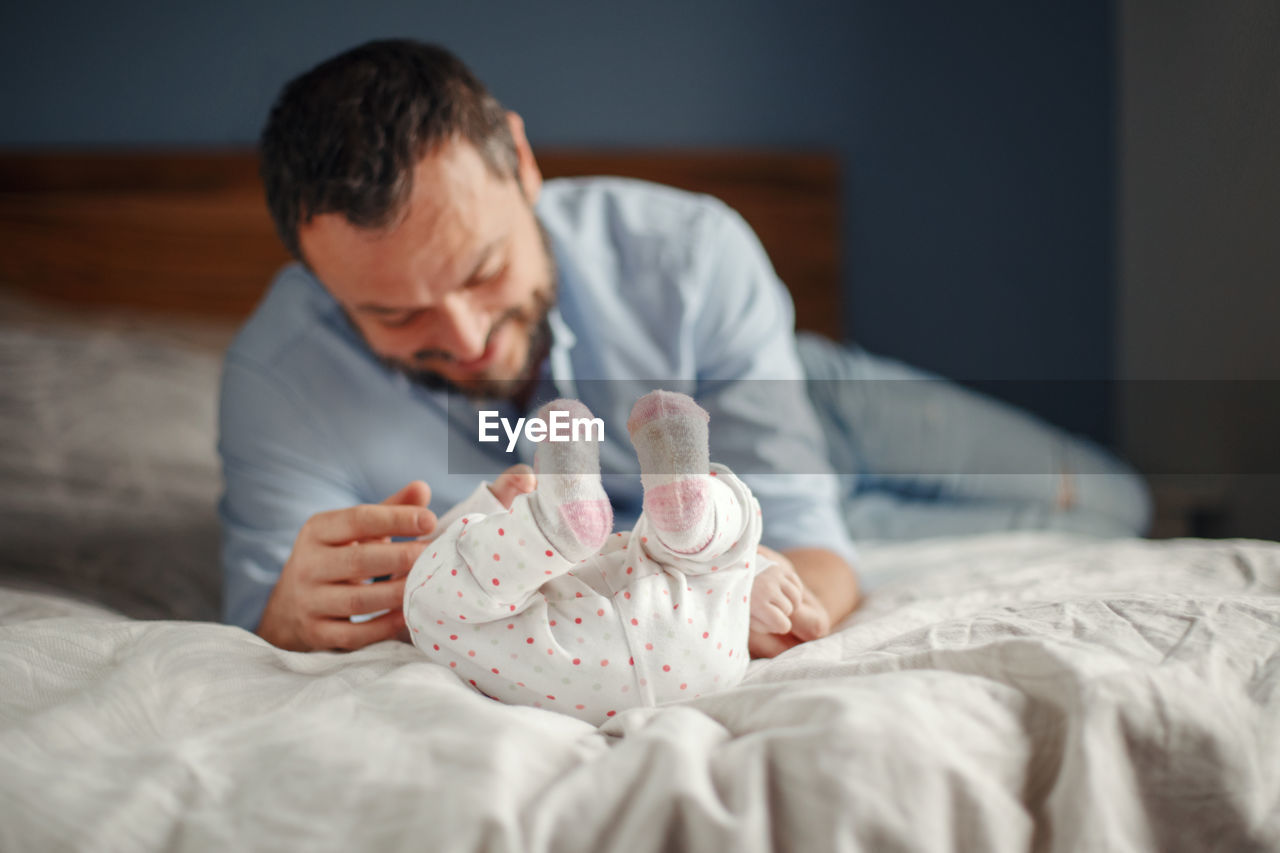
{"points": [[1006, 692]]}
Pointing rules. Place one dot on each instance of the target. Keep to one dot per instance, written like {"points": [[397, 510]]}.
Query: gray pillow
{"points": [[108, 467]]}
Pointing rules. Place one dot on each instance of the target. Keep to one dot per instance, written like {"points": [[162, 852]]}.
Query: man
{"points": [[433, 260]]}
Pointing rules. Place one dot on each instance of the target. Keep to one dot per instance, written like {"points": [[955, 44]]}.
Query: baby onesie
{"points": [[635, 624]]}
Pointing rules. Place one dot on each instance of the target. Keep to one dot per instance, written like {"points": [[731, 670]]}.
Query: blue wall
{"points": [[977, 139]]}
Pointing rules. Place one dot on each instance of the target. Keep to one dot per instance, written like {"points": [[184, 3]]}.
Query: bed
{"points": [[1000, 692]]}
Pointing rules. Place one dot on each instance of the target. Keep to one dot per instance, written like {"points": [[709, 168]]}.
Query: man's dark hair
{"points": [[345, 136]]}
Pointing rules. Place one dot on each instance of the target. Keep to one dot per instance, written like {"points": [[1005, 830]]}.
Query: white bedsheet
{"points": [[1008, 692]]}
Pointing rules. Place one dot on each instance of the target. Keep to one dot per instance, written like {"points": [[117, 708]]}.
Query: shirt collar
{"points": [[559, 367]]}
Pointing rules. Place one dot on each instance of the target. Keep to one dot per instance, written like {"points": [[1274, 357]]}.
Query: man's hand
{"points": [[321, 585], [784, 611]]}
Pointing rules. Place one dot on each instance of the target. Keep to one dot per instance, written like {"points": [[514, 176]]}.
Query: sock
{"points": [[669, 432], [569, 504]]}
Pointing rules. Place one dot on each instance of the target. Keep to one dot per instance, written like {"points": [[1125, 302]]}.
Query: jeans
{"points": [[920, 456]]}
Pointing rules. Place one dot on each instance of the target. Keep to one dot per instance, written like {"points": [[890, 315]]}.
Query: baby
{"points": [[539, 605]]}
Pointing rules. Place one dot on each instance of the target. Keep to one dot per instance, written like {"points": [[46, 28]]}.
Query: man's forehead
{"points": [[457, 213], [395, 299]]}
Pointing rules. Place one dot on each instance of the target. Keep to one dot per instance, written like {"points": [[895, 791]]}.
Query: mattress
{"points": [[1003, 692]]}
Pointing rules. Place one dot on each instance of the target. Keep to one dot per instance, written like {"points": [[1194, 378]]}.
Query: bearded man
{"points": [[436, 277]]}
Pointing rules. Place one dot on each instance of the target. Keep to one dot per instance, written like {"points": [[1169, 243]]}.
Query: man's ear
{"points": [[526, 166]]}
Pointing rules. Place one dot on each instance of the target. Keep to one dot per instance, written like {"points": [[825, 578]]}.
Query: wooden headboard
{"points": [[188, 231]]}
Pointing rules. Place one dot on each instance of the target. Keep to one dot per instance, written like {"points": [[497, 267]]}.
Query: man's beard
{"points": [[533, 317]]}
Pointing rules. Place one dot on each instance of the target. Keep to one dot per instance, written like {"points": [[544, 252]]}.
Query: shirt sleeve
{"points": [[279, 468], [751, 381]]}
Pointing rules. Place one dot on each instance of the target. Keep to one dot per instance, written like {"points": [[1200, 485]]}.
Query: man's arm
{"points": [[763, 425], [296, 544], [829, 577]]}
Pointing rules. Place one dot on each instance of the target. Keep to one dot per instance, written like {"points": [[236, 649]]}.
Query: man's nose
{"points": [[464, 329]]}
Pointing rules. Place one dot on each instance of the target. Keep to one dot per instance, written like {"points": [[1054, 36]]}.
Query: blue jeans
{"points": [[926, 457]]}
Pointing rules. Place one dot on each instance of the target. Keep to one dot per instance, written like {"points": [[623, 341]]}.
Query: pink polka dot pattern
{"points": [[510, 630]]}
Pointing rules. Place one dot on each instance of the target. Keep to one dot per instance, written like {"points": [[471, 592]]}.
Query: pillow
{"points": [[108, 460]]}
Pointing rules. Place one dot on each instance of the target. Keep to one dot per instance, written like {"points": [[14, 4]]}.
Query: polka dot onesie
{"points": [[548, 608]]}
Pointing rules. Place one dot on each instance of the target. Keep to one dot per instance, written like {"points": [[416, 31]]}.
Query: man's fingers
{"points": [[370, 521], [353, 599], [368, 560], [416, 493], [345, 635]]}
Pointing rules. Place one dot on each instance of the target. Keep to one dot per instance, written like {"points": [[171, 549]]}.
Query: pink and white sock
{"points": [[669, 432], [569, 504]]}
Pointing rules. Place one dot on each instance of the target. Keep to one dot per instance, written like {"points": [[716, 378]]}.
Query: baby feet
{"points": [[669, 432], [569, 504]]}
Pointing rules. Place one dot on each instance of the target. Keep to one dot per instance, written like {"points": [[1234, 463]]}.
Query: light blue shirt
{"points": [[656, 288]]}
